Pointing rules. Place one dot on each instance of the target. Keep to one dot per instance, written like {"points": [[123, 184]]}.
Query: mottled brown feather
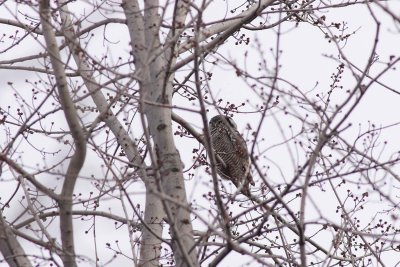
{"points": [[232, 149]]}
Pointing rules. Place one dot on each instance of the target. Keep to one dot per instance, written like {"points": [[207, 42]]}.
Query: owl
{"points": [[230, 146]]}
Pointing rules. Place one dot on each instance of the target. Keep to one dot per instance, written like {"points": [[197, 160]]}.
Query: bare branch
{"points": [[77, 160]]}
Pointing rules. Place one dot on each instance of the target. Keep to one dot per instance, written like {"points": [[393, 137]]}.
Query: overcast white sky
{"points": [[304, 63]]}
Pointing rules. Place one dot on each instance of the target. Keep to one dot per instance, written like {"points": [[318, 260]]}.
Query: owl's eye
{"points": [[231, 122]]}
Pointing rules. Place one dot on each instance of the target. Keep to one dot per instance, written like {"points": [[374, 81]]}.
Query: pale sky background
{"points": [[303, 63]]}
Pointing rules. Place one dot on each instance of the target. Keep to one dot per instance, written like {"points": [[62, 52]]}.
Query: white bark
{"points": [[153, 216], [156, 87], [11, 249], [78, 135]]}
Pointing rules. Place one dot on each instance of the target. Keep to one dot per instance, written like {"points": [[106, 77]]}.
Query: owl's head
{"points": [[222, 121]]}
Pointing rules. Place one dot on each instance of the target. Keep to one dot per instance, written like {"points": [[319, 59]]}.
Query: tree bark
{"points": [[11, 249], [153, 63]]}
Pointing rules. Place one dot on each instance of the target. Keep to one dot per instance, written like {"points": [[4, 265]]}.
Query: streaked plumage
{"points": [[230, 146]]}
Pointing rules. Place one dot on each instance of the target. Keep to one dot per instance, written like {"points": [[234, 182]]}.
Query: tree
{"points": [[105, 138]]}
